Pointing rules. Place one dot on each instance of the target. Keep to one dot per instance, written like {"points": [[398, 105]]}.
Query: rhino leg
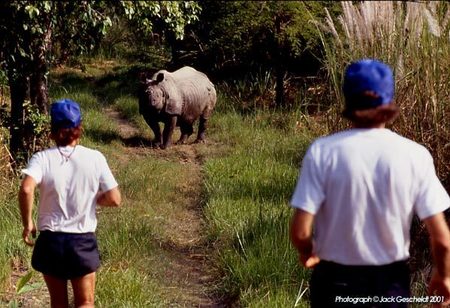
{"points": [[201, 130], [186, 132], [154, 125], [169, 126], [157, 132]]}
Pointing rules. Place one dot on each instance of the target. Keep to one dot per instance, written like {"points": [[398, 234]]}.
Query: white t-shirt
{"points": [[69, 185], [364, 186]]}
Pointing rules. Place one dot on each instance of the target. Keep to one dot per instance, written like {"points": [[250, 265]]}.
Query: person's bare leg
{"points": [[58, 291], [83, 290]]}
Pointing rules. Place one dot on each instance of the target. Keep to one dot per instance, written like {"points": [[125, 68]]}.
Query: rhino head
{"points": [[154, 92]]}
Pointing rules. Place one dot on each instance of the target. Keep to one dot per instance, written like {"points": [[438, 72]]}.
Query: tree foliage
{"points": [[32, 32], [233, 33], [246, 36], [174, 15]]}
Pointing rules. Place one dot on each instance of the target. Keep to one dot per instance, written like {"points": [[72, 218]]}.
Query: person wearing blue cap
{"points": [[72, 180], [355, 198]]}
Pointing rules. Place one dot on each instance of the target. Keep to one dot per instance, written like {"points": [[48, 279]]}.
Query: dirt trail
{"points": [[36, 298], [189, 267]]}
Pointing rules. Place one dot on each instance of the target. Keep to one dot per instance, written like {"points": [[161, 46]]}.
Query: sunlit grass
{"points": [[248, 191], [250, 165], [10, 235]]}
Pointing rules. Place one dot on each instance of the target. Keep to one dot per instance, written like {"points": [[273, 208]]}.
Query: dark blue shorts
{"points": [[336, 285], [65, 255]]}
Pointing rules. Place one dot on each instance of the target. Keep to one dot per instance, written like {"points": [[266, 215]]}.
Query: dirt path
{"points": [[188, 264], [189, 268], [36, 298]]}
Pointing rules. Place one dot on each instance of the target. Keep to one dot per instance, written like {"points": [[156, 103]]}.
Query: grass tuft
{"points": [[248, 190]]}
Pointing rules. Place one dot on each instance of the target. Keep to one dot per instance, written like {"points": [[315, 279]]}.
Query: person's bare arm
{"points": [[440, 246], [26, 199], [301, 237], [111, 198]]}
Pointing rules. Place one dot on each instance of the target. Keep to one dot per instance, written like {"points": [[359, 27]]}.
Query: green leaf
{"points": [[30, 287], [32, 11], [47, 6], [22, 52], [23, 281]]}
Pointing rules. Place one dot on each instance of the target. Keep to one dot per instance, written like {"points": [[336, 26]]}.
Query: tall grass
{"points": [[248, 189], [13, 252], [413, 37], [256, 90]]}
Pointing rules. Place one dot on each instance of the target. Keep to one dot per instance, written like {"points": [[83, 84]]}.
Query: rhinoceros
{"points": [[177, 99]]}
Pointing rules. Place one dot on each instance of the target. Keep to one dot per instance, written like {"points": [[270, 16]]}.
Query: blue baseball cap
{"points": [[368, 83], [65, 113]]}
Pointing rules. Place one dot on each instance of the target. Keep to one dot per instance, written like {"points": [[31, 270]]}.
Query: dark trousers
{"points": [[336, 285]]}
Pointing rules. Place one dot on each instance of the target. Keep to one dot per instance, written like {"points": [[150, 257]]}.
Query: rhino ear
{"points": [[160, 77]]}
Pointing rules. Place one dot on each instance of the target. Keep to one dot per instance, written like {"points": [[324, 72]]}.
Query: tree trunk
{"points": [[18, 88], [279, 70], [279, 86], [174, 45], [39, 91], [38, 79]]}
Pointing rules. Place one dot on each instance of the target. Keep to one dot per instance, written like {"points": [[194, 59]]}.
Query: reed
{"points": [[413, 38]]}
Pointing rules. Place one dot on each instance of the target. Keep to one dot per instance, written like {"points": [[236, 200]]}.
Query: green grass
{"points": [[127, 288], [10, 239], [248, 190], [129, 237], [250, 170], [128, 107], [250, 166]]}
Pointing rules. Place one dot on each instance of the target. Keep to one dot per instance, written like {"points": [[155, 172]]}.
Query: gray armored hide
{"points": [[177, 99]]}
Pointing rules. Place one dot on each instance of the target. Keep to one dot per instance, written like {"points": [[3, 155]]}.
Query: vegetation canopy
{"points": [[34, 33]]}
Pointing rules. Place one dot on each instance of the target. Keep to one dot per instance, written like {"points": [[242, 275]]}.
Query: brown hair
{"points": [[65, 136], [372, 116]]}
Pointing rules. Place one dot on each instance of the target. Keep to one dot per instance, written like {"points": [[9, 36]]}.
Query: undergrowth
{"points": [[248, 190]]}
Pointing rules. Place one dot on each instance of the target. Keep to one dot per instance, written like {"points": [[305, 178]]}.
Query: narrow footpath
{"points": [[188, 265]]}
